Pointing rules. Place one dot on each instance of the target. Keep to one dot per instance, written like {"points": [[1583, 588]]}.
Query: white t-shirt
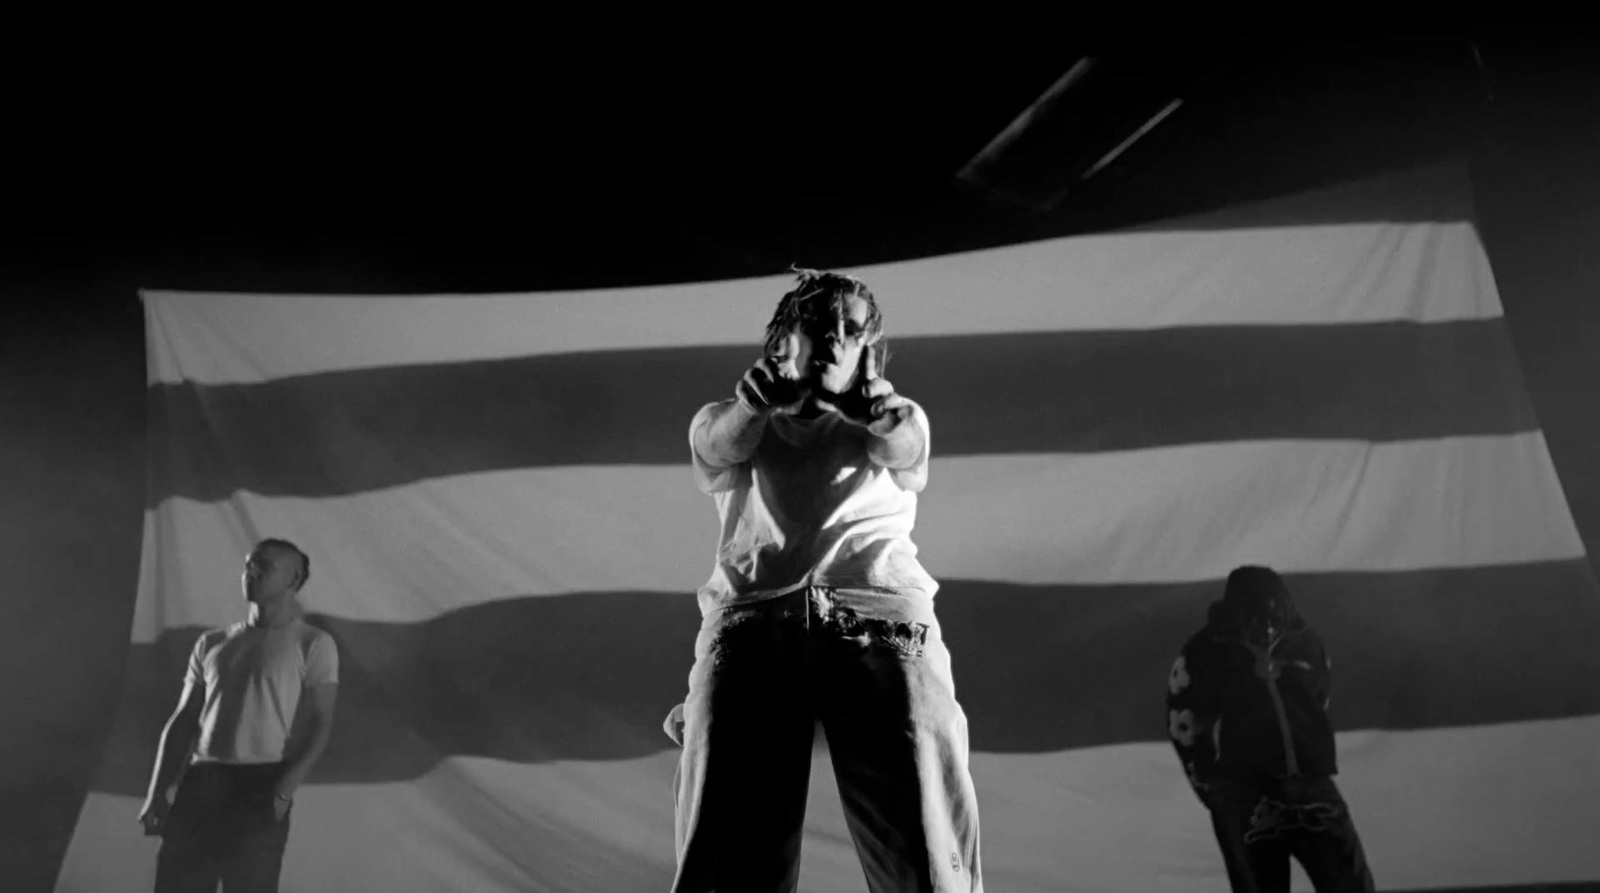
{"points": [[253, 678], [808, 508]]}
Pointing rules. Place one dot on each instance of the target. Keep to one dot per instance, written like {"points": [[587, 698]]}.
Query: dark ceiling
{"points": [[852, 143]]}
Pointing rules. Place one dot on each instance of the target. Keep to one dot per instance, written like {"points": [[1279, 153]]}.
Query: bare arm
{"points": [[172, 752], [323, 698]]}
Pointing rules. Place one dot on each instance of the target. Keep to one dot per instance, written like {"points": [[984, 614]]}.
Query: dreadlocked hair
{"points": [[817, 291]]}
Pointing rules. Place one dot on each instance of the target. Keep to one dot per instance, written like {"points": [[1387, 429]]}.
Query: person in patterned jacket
{"points": [[1247, 710]]}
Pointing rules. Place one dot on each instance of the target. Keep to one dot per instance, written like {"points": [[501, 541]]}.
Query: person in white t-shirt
{"points": [[234, 738], [818, 611]]}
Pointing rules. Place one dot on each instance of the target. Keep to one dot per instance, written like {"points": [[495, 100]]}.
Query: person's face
{"points": [[828, 345], [269, 574], [1266, 624]]}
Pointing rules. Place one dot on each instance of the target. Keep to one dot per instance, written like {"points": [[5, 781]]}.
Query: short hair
{"points": [[813, 291], [305, 560]]}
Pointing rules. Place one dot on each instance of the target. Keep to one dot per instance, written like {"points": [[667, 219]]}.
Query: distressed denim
{"points": [[872, 668]]}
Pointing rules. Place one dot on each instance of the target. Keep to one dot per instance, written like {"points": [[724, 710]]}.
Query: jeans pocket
{"points": [[902, 638], [906, 639]]}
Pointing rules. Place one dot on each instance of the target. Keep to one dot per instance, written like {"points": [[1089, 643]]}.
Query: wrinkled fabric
{"points": [[872, 669], [809, 508], [253, 678]]}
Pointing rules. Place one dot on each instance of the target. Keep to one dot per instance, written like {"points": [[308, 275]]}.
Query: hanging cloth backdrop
{"points": [[496, 495]]}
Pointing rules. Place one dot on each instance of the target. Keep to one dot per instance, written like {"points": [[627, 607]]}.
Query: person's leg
{"points": [[190, 859], [1253, 851], [186, 864], [256, 858], [1325, 840], [746, 761], [899, 743], [192, 844]]}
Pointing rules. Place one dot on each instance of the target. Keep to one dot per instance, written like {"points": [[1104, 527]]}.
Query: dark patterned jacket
{"points": [[1248, 696]]}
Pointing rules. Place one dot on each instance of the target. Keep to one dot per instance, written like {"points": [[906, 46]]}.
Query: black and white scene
{"points": [[989, 456]]}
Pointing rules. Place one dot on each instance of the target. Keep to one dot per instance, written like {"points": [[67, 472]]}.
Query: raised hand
{"points": [[772, 385], [871, 400]]}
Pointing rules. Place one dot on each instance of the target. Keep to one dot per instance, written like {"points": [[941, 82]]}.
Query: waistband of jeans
{"points": [[877, 603], [241, 770]]}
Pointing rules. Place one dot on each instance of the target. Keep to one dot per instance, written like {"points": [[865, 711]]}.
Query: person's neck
{"points": [[281, 613]]}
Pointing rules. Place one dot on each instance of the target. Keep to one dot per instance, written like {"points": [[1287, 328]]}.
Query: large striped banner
{"points": [[506, 538]]}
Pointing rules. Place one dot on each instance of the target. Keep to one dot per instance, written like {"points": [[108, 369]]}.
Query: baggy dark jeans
{"points": [[222, 826], [1260, 824], [872, 668]]}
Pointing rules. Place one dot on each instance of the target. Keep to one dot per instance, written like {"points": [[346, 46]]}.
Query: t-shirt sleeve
{"points": [[709, 478], [915, 477], [196, 672], [322, 660]]}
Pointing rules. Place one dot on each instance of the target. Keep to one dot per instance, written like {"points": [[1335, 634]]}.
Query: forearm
{"points": [[896, 441], [730, 434], [173, 750], [301, 762]]}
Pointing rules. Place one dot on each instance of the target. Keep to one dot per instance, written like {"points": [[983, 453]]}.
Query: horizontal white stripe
{"points": [[1134, 280], [1194, 512], [1162, 515], [1480, 806]]}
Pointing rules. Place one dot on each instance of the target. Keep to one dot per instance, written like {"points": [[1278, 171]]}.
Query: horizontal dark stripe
{"points": [[360, 430], [1038, 668]]}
